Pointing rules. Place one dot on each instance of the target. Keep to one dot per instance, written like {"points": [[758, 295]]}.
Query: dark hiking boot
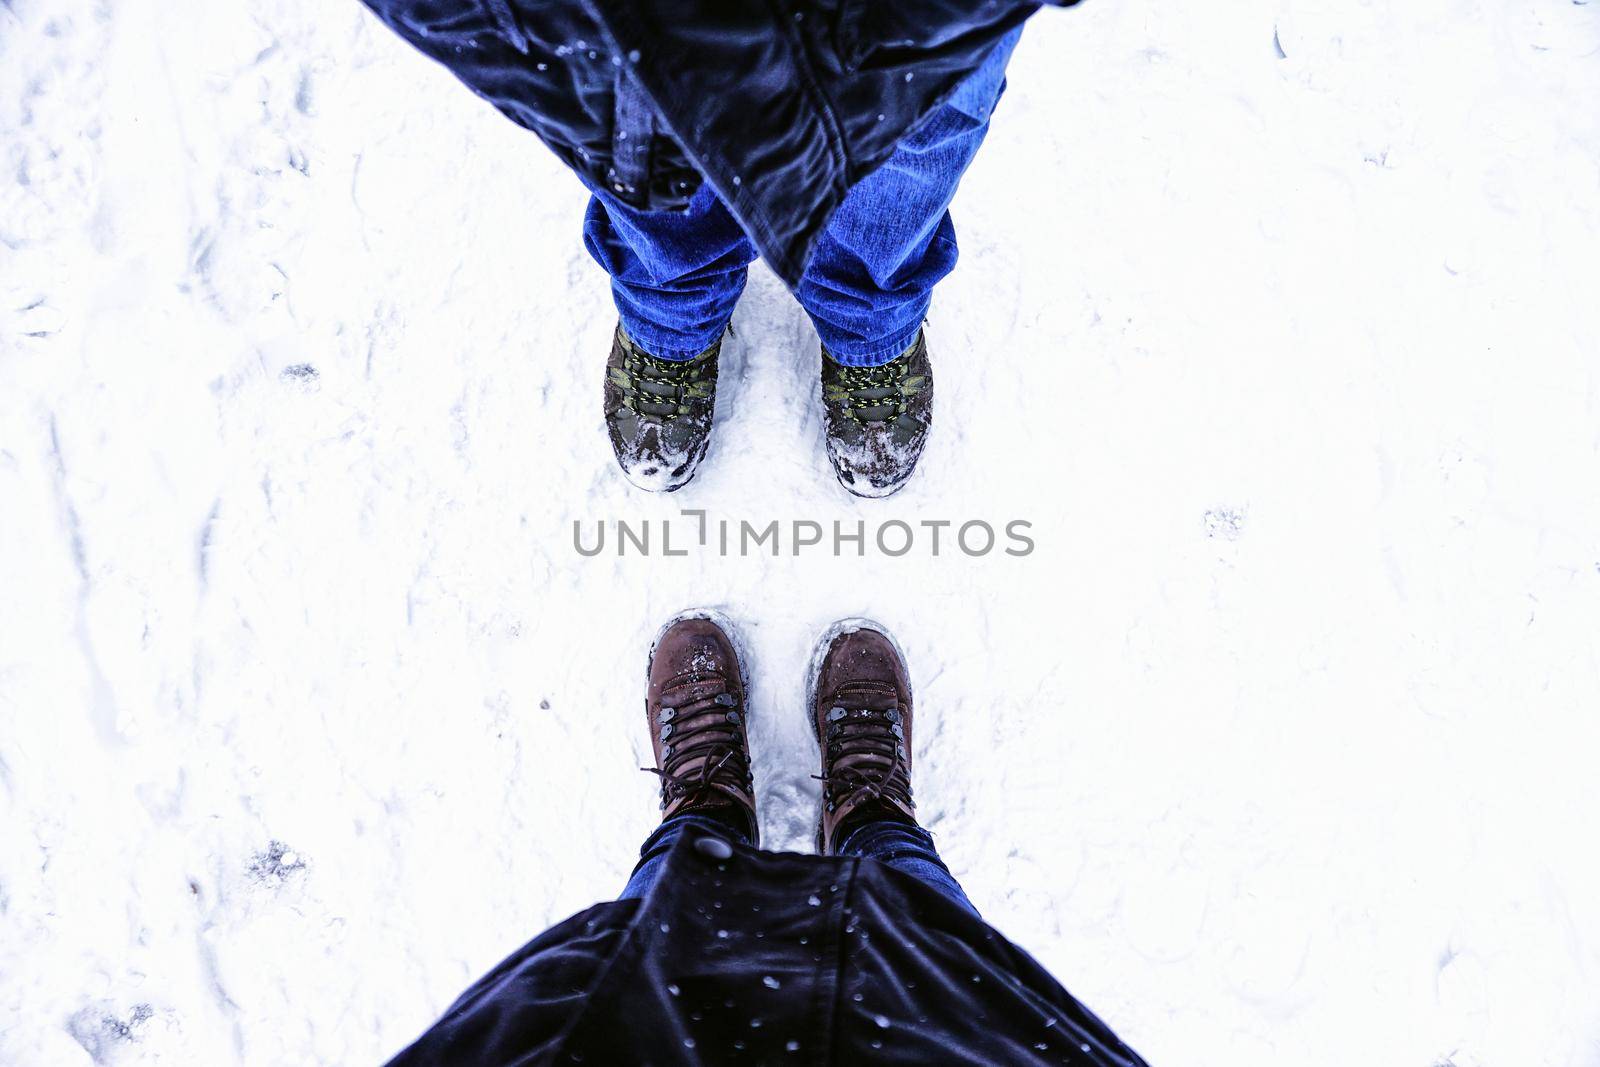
{"points": [[695, 705], [658, 413], [861, 712], [877, 419]]}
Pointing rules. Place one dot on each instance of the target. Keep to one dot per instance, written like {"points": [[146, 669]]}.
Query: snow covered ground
{"points": [[1277, 320]]}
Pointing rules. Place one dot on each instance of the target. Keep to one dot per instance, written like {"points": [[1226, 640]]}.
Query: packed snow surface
{"points": [[1275, 332]]}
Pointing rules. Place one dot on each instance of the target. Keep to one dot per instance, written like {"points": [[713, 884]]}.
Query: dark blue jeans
{"points": [[908, 849], [677, 275]]}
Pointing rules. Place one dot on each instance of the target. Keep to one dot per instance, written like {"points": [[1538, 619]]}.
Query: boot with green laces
{"points": [[877, 419], [659, 412]]}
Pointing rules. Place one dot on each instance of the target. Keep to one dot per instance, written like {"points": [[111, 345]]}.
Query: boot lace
{"points": [[864, 752], [702, 748], [874, 394], [662, 387]]}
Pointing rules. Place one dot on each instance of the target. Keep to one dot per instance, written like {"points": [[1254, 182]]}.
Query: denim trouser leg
{"points": [[677, 275], [871, 276], [653, 854], [908, 849]]}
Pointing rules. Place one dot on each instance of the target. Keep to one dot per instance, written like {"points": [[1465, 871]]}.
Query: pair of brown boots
{"points": [[860, 708]]}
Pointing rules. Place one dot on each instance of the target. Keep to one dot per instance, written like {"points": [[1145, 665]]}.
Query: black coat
{"points": [[780, 105], [747, 957]]}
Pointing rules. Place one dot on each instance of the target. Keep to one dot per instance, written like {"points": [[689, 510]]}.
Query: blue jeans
{"points": [[677, 275], [908, 849]]}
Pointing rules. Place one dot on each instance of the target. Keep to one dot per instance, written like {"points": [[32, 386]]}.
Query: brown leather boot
{"points": [[861, 711], [695, 707]]}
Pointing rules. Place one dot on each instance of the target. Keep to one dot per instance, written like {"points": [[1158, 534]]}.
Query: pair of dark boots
{"points": [[860, 710], [659, 414]]}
